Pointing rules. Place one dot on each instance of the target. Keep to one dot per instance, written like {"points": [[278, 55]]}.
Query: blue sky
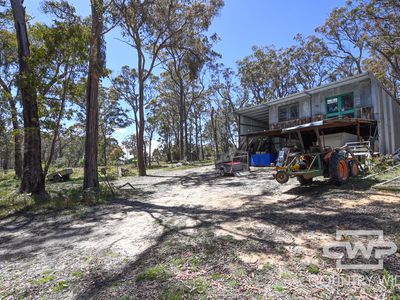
{"points": [[240, 25]]}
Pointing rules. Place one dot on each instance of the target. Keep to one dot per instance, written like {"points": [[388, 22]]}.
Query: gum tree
{"points": [[152, 26], [32, 175]]}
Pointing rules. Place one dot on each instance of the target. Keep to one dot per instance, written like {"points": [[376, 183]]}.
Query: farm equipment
{"points": [[229, 165], [338, 165]]}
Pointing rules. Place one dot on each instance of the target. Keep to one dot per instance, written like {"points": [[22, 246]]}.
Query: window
{"points": [[347, 102], [340, 106], [282, 114], [293, 112], [332, 106], [288, 112]]}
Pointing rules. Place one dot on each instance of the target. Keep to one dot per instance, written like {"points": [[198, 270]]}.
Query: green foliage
{"points": [[112, 115], [313, 269], [64, 195], [77, 274], [287, 275], [59, 58], [116, 154], [158, 272], [178, 262], [268, 266], [267, 64], [175, 293], [201, 285], [390, 281], [278, 288], [381, 163], [234, 283], [45, 279], [59, 286]]}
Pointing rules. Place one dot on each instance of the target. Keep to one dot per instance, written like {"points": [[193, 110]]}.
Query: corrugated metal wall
{"points": [[387, 113], [367, 93], [362, 98], [248, 125]]}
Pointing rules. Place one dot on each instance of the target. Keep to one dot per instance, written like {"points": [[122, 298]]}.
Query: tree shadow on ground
{"points": [[323, 187], [277, 223], [303, 214], [209, 179], [35, 228]]}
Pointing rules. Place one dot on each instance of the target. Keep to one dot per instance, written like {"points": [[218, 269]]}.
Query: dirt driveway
{"points": [[192, 234]]}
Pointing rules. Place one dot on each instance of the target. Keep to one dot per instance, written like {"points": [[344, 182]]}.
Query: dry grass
{"points": [[193, 235]]}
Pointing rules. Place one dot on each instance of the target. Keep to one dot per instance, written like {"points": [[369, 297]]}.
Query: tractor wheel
{"points": [[338, 168], [354, 168], [282, 177], [304, 181]]}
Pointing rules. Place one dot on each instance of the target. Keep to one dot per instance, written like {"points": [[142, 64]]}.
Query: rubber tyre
{"points": [[354, 168], [338, 168], [282, 177], [222, 172], [304, 181]]}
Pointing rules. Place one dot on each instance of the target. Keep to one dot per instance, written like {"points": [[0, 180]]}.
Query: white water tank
{"points": [[336, 140]]}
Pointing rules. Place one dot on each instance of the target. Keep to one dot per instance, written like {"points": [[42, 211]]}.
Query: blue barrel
{"points": [[263, 160]]}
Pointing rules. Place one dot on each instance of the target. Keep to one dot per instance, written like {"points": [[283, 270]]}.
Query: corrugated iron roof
{"points": [[322, 124], [328, 123]]}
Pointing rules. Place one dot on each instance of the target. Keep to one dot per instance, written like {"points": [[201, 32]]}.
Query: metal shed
{"points": [[371, 103]]}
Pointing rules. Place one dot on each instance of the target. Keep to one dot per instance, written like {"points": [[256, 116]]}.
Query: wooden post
{"points": [[247, 149], [239, 130], [319, 139], [301, 141], [358, 131]]}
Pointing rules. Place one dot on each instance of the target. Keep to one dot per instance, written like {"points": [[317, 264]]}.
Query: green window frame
{"points": [[340, 105]]}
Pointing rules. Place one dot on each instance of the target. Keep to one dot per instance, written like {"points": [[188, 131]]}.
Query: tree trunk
{"points": [[103, 129], [189, 145], [185, 122], [6, 152], [150, 139], [16, 130], [32, 174], [57, 129], [6, 158], [91, 178], [214, 129], [201, 139], [196, 137], [169, 150], [145, 153], [105, 150], [17, 140], [60, 146], [140, 140], [181, 122]]}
